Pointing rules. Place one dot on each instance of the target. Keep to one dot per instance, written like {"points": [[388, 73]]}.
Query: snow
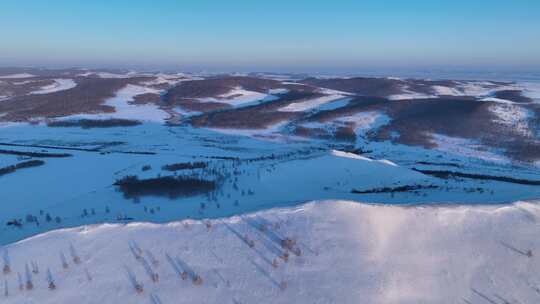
{"points": [[498, 100], [468, 148], [513, 116], [365, 121], [333, 92], [15, 76], [236, 97], [269, 133], [278, 91], [409, 94], [23, 82], [350, 253], [310, 104], [532, 90], [170, 79], [356, 156], [114, 75], [474, 88], [443, 90], [58, 85], [111, 75], [349, 155], [126, 110]]}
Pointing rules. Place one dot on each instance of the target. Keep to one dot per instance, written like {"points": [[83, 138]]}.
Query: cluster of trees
{"points": [[22, 165]]}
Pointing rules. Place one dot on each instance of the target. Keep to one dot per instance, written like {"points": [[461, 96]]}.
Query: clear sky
{"points": [[273, 34]]}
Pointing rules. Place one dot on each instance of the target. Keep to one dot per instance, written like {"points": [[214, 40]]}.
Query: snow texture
{"points": [[125, 110], [58, 85], [309, 104], [16, 76], [236, 97], [347, 253]]}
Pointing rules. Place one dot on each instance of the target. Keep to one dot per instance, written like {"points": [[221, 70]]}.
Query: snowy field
{"points": [[436, 224], [254, 173], [320, 252]]}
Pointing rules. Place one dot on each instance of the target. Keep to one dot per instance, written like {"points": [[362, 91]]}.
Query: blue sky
{"points": [[263, 35]]}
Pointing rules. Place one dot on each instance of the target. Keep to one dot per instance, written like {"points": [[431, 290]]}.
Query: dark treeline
{"points": [[448, 174], [170, 186], [405, 188], [95, 123], [185, 166], [26, 164], [34, 154]]}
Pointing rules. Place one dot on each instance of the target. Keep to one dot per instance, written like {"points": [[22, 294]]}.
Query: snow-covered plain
{"points": [[347, 253], [271, 171], [442, 241]]}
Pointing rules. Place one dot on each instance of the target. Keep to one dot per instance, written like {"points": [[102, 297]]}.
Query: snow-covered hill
{"points": [[340, 252]]}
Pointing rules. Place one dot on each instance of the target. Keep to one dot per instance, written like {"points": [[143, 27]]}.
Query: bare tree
{"points": [[21, 285], [155, 299], [135, 250], [35, 268], [65, 264], [7, 267], [152, 258], [29, 284], [151, 273], [136, 284], [52, 285], [88, 276], [74, 255]]}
